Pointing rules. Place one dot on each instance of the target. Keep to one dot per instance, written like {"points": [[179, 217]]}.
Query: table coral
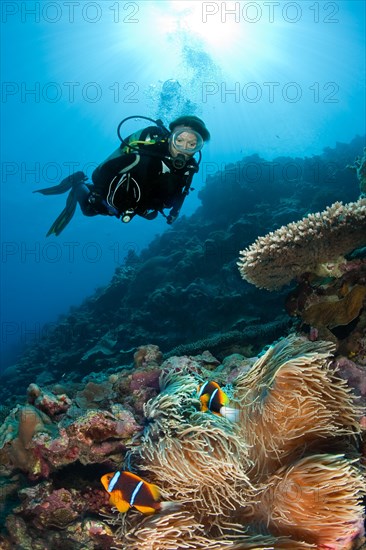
{"points": [[276, 259]]}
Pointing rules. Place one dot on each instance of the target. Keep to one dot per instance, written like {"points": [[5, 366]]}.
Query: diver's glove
{"points": [[173, 215]]}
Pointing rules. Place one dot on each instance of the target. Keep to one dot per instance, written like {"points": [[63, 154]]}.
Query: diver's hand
{"points": [[170, 219]]}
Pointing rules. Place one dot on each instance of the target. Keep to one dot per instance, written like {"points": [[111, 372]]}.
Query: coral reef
{"points": [[184, 292], [276, 259], [359, 167], [273, 472], [233, 483], [333, 308], [287, 474], [50, 404], [32, 443], [16, 436]]}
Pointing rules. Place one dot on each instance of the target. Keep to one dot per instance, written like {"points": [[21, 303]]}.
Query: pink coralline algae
{"points": [[45, 507], [355, 374], [29, 441], [52, 405], [78, 535], [148, 355], [50, 508], [93, 437], [142, 379]]}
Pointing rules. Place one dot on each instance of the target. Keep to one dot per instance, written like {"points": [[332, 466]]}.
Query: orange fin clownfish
{"points": [[213, 399], [128, 490]]}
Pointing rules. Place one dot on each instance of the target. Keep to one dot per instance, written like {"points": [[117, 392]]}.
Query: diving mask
{"points": [[186, 141]]}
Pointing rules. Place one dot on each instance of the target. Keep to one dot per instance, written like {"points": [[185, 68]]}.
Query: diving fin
{"points": [[65, 185], [65, 217]]}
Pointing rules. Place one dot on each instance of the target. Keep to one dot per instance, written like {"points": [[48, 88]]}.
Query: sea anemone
{"points": [[314, 500], [293, 402], [195, 456], [284, 476]]}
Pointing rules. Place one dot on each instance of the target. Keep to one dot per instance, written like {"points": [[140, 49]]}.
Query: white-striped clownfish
{"points": [[213, 399], [128, 490]]}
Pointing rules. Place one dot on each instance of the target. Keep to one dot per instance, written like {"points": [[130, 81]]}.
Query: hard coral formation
{"points": [[32, 443], [329, 313], [148, 355], [277, 258], [359, 167], [334, 309], [48, 508], [47, 402], [183, 292], [16, 437]]}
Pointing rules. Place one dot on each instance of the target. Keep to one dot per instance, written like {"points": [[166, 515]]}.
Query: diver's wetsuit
{"points": [[144, 182], [131, 181]]}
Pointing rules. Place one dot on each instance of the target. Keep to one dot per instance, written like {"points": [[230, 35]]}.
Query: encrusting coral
{"points": [[336, 313], [301, 247]]}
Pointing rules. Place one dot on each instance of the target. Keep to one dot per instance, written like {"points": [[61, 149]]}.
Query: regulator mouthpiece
{"points": [[179, 161]]}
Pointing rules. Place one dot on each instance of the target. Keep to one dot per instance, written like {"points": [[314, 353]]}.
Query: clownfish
{"points": [[128, 490], [213, 399]]}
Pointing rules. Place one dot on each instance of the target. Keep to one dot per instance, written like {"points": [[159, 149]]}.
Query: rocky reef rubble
{"points": [[56, 445]]}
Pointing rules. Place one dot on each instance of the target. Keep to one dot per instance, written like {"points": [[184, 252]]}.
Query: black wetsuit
{"points": [[144, 181]]}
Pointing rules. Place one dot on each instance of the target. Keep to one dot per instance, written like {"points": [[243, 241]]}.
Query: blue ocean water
{"points": [[273, 78]]}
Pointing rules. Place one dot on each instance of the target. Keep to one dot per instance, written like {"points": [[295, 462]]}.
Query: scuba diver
{"points": [[151, 170]]}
